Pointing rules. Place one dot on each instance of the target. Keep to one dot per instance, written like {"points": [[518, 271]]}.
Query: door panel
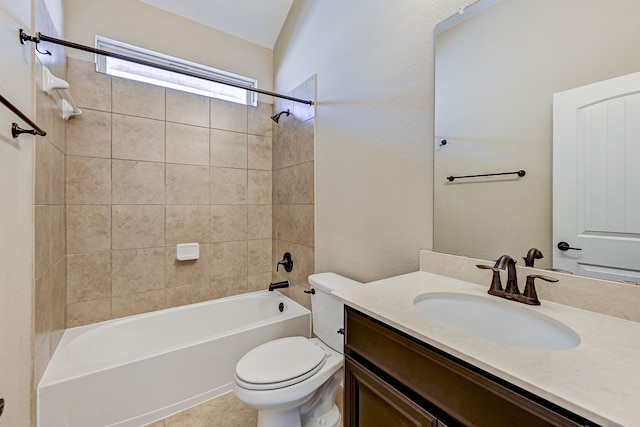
{"points": [[596, 180]]}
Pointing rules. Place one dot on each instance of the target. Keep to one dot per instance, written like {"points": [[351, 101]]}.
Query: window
{"points": [[173, 80]]}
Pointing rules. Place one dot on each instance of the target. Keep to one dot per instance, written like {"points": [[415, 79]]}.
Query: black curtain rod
{"points": [[17, 130], [24, 37]]}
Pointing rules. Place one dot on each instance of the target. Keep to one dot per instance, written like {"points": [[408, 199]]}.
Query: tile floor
{"points": [[224, 411]]}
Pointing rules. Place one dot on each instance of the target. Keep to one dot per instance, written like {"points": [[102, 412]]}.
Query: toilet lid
{"points": [[286, 360]]}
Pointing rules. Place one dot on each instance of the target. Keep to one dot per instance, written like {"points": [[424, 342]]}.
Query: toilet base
{"points": [[330, 419], [291, 418], [279, 418]]}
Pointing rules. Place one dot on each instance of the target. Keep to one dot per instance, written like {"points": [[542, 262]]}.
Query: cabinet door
{"points": [[374, 403]]}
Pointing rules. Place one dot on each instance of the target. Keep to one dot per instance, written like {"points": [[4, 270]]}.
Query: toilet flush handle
{"points": [[340, 331]]}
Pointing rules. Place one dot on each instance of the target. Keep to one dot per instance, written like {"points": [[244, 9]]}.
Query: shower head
{"points": [[276, 117]]}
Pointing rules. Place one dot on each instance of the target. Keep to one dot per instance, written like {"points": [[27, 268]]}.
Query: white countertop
{"points": [[598, 380]]}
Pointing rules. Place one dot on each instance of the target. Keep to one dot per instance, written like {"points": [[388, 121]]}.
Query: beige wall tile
{"points": [[228, 186], [88, 276], [58, 301], [56, 133], [137, 182], [260, 222], [180, 273], [228, 116], [58, 233], [260, 186], [228, 287], [187, 185], [89, 88], [258, 282], [229, 259], [42, 312], [259, 256], [87, 312], [42, 221], [302, 141], [187, 144], [304, 263], [137, 226], [89, 134], [42, 172], [88, 180], [227, 149], [187, 223], [283, 150], [187, 108], [88, 228], [303, 183], [137, 271], [259, 152], [137, 138], [283, 186], [58, 177], [138, 99], [286, 122], [303, 219], [144, 302], [228, 223], [284, 223], [41, 359], [189, 294], [259, 119]]}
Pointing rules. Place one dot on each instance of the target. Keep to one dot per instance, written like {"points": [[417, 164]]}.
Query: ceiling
{"points": [[258, 21]]}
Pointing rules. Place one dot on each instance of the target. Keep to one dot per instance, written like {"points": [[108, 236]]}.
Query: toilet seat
{"points": [[279, 363]]}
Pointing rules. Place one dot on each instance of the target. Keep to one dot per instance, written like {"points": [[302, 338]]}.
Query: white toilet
{"points": [[292, 381]]}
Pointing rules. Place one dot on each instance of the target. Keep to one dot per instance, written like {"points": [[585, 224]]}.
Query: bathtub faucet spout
{"points": [[278, 285]]}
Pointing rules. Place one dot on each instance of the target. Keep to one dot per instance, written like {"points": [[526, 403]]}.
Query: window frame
{"points": [[139, 53]]}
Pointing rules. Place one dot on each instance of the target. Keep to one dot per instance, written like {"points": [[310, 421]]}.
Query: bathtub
{"points": [[143, 368]]}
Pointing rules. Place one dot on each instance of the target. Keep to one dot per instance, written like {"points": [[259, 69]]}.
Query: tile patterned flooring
{"points": [[224, 411]]}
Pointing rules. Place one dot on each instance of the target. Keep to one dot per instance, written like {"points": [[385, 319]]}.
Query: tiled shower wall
{"points": [[147, 168], [50, 276], [293, 190]]}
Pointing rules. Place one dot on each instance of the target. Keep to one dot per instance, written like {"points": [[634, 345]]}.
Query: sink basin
{"points": [[498, 321]]}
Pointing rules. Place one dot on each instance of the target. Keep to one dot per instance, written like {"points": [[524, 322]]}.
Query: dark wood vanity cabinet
{"points": [[392, 379]]}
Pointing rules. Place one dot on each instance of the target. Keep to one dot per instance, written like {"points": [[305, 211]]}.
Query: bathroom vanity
{"points": [[403, 368]]}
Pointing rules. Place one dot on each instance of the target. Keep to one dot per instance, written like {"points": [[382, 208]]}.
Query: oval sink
{"points": [[497, 321]]}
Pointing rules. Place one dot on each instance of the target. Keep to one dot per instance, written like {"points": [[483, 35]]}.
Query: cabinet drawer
{"points": [[467, 397], [376, 403]]}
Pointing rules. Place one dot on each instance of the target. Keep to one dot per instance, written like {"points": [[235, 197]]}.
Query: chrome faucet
{"points": [[512, 291]]}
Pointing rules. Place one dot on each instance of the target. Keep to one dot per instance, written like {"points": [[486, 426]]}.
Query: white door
{"points": [[596, 179]]}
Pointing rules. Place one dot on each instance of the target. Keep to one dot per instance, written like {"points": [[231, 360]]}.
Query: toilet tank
{"points": [[327, 311]]}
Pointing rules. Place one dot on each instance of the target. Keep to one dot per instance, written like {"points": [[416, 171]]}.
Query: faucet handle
{"points": [[287, 262], [496, 284], [529, 296]]}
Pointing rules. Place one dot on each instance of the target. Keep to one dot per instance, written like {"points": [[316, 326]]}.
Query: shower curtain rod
{"points": [[24, 37]]}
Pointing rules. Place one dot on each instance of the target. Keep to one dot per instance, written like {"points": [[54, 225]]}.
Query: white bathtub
{"points": [[139, 369]]}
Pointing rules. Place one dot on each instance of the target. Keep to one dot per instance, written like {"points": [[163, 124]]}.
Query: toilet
{"points": [[293, 381]]}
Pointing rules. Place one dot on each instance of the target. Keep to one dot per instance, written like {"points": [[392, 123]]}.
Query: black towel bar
{"points": [[519, 173]]}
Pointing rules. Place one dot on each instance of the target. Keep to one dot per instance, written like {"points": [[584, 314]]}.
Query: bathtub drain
{"points": [[281, 307]]}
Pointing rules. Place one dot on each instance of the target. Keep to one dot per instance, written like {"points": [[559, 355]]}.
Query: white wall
{"points": [[138, 23], [16, 216], [374, 126]]}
